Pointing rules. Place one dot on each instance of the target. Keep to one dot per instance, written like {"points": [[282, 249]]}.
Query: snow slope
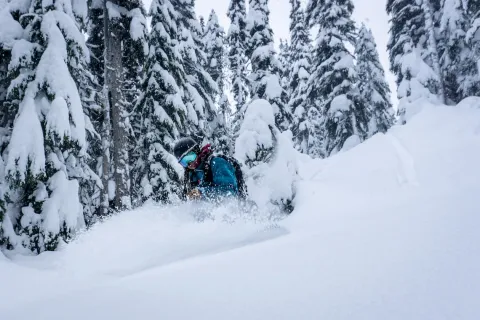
{"points": [[387, 230]]}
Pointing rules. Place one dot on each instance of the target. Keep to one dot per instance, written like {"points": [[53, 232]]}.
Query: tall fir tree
{"points": [[135, 50], [457, 60], [163, 113], [7, 113], [408, 39], [215, 66], [236, 38], [265, 78], [200, 89], [44, 166], [95, 106], [372, 83], [332, 84], [431, 47], [306, 117], [90, 184], [285, 62]]}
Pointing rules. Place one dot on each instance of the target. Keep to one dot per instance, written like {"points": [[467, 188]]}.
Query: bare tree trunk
{"points": [[116, 105]]}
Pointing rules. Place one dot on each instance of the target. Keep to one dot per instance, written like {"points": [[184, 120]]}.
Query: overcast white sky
{"points": [[370, 11]]}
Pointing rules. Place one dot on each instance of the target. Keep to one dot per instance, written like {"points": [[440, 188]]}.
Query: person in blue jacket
{"points": [[207, 176]]}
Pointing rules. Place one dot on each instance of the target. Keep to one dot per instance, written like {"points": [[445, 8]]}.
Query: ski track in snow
{"points": [[406, 172], [257, 237]]}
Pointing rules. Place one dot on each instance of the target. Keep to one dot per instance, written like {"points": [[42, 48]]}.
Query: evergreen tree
{"points": [[431, 47], [45, 163], [306, 118], [200, 89], [202, 24], [458, 62], [257, 140], [163, 112], [472, 37], [7, 112], [285, 62], [135, 50], [332, 85], [372, 83], [215, 66], [266, 69], [236, 38], [415, 77], [214, 44], [90, 184]]}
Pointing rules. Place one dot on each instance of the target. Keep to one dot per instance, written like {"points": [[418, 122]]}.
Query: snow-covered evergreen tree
{"points": [[408, 39], [90, 184], [265, 81], [135, 50], [372, 83], [256, 142], [163, 112], [431, 47], [236, 38], [45, 163], [267, 156], [214, 44], [200, 89], [306, 118], [214, 40], [332, 84], [10, 32], [285, 62], [457, 60], [473, 34]]}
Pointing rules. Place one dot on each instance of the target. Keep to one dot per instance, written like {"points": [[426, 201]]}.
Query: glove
{"points": [[194, 194]]}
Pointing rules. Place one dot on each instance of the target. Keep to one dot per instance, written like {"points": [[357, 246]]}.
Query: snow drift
{"points": [[386, 230]]}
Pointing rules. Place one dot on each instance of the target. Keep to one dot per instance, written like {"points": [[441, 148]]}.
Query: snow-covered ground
{"points": [[387, 230]]}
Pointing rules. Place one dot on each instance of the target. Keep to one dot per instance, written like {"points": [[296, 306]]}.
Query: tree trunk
{"points": [[116, 106]]}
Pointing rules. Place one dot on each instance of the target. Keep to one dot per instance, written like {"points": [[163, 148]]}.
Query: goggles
{"points": [[187, 159]]}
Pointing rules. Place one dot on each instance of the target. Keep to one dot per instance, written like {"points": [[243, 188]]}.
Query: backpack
{"points": [[242, 187]]}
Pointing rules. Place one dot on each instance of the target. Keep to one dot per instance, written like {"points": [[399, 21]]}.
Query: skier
{"points": [[208, 176]]}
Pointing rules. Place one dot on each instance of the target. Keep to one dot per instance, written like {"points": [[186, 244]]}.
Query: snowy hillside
{"points": [[387, 230]]}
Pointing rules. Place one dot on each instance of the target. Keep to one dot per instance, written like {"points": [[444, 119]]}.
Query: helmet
{"points": [[182, 146]]}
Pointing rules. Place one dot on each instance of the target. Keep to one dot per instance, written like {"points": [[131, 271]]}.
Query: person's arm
{"points": [[224, 180]]}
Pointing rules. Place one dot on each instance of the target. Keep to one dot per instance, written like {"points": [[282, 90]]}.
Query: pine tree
{"points": [[163, 112], [306, 118], [257, 139], [135, 50], [45, 163], [457, 61], [285, 62], [215, 66], [200, 89], [214, 40], [372, 83], [415, 78], [266, 69], [7, 113], [332, 84], [90, 184], [236, 38], [95, 108], [431, 52]]}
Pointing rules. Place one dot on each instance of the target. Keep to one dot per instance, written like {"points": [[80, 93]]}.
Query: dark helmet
{"points": [[182, 146]]}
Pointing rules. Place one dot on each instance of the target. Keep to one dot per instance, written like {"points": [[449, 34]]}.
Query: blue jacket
{"points": [[224, 181]]}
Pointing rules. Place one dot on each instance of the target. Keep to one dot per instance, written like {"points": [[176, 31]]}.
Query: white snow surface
{"points": [[385, 230]]}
